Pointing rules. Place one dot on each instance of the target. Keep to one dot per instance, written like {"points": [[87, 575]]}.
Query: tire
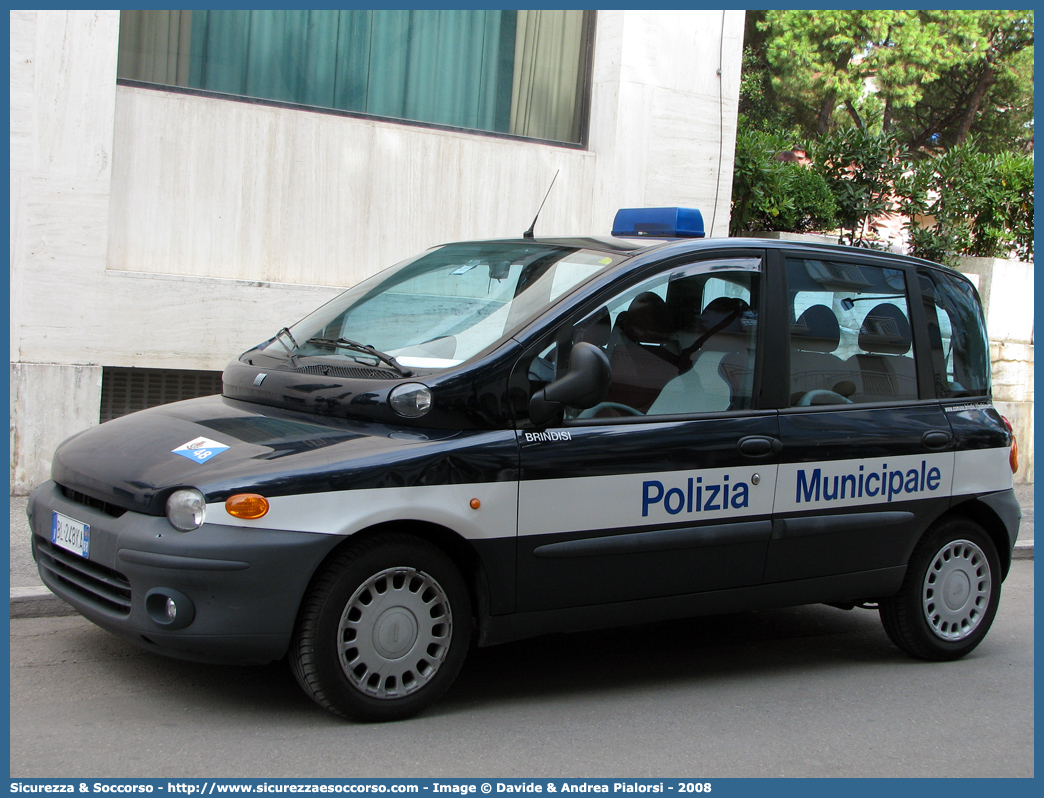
{"points": [[950, 594], [383, 631]]}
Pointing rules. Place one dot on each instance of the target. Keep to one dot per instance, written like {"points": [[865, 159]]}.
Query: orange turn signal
{"points": [[246, 505], [475, 504]]}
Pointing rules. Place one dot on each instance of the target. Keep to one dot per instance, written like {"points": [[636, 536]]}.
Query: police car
{"points": [[499, 439]]}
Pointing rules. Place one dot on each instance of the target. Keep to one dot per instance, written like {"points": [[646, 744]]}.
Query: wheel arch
{"points": [[472, 568], [986, 517]]}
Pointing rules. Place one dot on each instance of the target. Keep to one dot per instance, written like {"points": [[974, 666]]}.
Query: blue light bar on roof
{"points": [[658, 223]]}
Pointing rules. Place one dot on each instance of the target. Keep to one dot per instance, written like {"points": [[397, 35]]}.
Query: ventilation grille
{"points": [[88, 581], [126, 390], [351, 372]]}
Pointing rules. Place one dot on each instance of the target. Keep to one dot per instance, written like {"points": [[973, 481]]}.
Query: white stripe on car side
{"points": [[982, 471], [631, 501], [866, 481], [635, 500], [348, 511]]}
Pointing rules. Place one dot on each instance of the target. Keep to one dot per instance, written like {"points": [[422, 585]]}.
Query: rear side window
{"points": [[850, 335], [956, 336]]}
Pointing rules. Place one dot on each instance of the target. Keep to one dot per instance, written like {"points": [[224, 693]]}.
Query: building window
{"points": [[523, 73], [127, 390]]}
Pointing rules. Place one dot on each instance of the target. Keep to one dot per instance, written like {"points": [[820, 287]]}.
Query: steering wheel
{"points": [[821, 396], [627, 410]]}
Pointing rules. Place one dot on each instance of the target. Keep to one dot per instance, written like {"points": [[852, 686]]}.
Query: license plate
{"points": [[70, 534]]}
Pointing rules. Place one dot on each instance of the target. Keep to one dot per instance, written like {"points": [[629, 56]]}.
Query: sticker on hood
{"points": [[200, 450]]}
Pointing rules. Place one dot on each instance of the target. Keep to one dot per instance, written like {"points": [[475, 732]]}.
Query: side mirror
{"points": [[584, 385]]}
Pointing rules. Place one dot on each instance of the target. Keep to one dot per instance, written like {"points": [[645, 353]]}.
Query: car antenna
{"points": [[529, 232]]}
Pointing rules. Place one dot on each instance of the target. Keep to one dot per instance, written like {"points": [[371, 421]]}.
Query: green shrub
{"points": [[772, 195], [861, 169], [975, 204], [758, 182], [814, 205]]}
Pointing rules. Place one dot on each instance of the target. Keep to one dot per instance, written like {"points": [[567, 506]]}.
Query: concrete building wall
{"points": [[62, 106], [158, 229]]}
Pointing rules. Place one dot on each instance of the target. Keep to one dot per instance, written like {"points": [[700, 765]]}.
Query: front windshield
{"points": [[446, 306]]}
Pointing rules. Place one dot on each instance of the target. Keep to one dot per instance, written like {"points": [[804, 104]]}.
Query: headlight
{"points": [[186, 509], [411, 400]]}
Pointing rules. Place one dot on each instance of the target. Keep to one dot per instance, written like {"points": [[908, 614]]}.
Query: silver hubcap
{"points": [[394, 633], [956, 590]]}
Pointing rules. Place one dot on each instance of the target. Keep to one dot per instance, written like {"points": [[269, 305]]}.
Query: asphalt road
{"points": [[812, 691]]}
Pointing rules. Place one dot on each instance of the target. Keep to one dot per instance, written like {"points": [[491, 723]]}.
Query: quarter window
{"points": [[850, 334], [956, 336]]}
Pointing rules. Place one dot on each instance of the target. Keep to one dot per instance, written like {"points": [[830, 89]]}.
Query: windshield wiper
{"points": [[289, 351], [366, 349]]}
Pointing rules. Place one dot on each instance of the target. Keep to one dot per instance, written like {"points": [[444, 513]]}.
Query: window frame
{"points": [[586, 69]]}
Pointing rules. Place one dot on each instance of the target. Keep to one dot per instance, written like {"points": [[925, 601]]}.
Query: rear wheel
{"points": [[384, 630], [950, 594]]}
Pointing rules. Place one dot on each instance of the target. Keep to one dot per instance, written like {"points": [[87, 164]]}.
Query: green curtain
{"points": [[450, 67], [516, 72]]}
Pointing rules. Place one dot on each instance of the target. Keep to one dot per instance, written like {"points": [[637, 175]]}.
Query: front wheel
{"points": [[950, 594], [383, 631]]}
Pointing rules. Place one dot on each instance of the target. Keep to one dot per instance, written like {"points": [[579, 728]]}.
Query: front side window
{"points": [[850, 335], [518, 72], [679, 343]]}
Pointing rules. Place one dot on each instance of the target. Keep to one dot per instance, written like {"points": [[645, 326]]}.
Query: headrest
{"points": [[885, 331], [725, 309], [816, 330], [647, 319]]}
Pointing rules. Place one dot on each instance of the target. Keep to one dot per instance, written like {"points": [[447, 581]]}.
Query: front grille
{"points": [[90, 581], [89, 501], [351, 372]]}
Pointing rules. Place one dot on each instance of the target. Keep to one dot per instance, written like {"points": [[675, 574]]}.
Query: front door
{"points": [[666, 487]]}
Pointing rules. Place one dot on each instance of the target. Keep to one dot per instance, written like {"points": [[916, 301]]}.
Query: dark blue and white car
{"points": [[499, 439]]}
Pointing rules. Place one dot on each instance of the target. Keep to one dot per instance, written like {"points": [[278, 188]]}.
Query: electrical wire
{"points": [[721, 119]]}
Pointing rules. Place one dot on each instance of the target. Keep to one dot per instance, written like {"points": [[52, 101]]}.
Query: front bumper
{"points": [[244, 585]]}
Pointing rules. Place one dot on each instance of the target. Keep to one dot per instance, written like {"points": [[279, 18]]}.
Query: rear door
{"points": [[867, 459], [665, 488]]}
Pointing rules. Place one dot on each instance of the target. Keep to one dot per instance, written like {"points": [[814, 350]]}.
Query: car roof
{"points": [[632, 247]]}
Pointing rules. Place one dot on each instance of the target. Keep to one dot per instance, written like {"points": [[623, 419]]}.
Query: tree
{"points": [[988, 95], [927, 76]]}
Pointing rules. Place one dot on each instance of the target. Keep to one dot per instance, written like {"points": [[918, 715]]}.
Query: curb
{"points": [[39, 602]]}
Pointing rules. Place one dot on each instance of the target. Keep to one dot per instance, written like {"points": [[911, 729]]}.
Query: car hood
{"points": [[136, 461]]}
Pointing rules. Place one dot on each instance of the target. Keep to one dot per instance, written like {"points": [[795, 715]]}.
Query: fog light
{"points": [[168, 608], [246, 505]]}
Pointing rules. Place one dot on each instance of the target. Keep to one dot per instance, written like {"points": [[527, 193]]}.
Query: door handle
{"points": [[936, 439], [759, 446]]}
